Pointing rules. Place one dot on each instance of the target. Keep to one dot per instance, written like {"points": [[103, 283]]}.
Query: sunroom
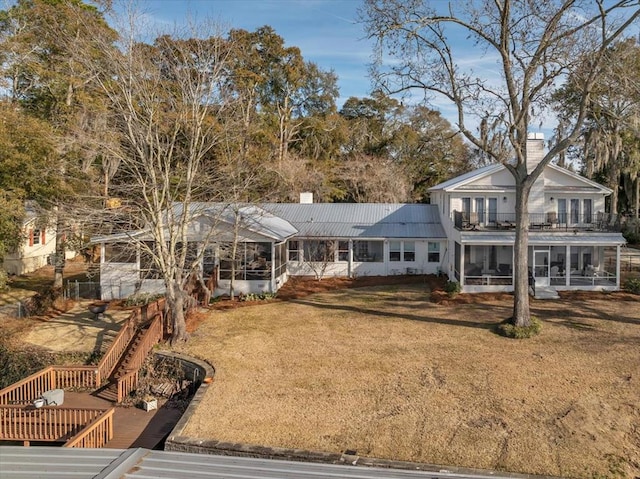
{"points": [[562, 262]]}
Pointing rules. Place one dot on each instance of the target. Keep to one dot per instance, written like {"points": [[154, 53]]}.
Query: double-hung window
{"points": [[293, 250], [409, 253], [394, 250], [433, 252]]}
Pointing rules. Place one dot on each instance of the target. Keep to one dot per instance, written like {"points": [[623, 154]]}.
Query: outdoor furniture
{"points": [[53, 397], [505, 225], [473, 221]]}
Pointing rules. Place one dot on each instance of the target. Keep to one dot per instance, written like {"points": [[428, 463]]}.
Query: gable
{"points": [[556, 178]]}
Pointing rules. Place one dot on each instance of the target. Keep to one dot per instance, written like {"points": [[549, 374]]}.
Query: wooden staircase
{"points": [[109, 391]]}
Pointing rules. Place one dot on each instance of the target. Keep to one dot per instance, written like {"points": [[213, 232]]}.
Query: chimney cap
{"points": [[535, 136]]}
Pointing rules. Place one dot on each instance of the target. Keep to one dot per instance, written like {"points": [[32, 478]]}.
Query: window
{"points": [[318, 251], [343, 250], [466, 205], [148, 267], [433, 252], [394, 250], [493, 210], [480, 209], [586, 210], [562, 211], [120, 253], [575, 211], [208, 261], [35, 237], [368, 251], [293, 250], [409, 251]]}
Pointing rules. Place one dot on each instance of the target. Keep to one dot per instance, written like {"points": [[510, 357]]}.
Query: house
{"points": [[273, 241], [37, 248], [466, 233], [573, 243], [244, 242]]}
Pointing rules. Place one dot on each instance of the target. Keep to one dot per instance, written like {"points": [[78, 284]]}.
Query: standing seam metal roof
{"points": [[361, 220], [45, 462]]}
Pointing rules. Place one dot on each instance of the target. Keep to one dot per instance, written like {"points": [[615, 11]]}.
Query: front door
{"points": [[541, 267]]}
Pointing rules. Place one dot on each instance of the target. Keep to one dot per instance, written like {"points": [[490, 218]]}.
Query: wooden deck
{"points": [[132, 426]]}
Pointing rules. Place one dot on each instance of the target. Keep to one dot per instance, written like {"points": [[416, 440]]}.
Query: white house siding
{"points": [[384, 267], [30, 257]]}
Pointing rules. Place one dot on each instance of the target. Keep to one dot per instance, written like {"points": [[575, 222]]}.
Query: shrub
{"points": [[510, 330], [631, 236], [452, 288], [256, 296], [632, 285], [141, 299], [42, 302], [4, 279], [20, 363]]}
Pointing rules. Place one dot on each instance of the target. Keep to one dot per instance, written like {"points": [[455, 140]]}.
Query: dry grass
{"points": [[388, 373]]}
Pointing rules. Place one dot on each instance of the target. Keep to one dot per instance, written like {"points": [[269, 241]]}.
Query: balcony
{"points": [[550, 221]]}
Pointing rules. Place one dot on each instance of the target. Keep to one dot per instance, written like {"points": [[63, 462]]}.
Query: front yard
{"points": [[389, 374]]}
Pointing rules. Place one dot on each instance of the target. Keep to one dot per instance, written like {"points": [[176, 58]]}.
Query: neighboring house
{"points": [[466, 233], [573, 243], [37, 248]]}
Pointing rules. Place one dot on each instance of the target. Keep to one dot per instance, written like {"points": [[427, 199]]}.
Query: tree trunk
{"points": [[59, 256], [521, 314], [175, 302]]}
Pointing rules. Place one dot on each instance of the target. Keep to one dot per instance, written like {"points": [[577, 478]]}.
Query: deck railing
{"points": [[112, 356], [152, 336], [51, 377], [49, 424], [21, 422], [550, 221], [95, 434], [138, 316]]}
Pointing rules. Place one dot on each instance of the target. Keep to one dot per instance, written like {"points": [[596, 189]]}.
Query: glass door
{"points": [[541, 267]]}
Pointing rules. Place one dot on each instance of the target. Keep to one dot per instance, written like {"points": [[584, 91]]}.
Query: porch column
{"points": [[350, 260], [462, 246], [617, 266], [567, 265], [272, 283]]}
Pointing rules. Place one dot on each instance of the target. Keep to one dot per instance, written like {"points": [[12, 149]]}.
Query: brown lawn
{"points": [[388, 373]]}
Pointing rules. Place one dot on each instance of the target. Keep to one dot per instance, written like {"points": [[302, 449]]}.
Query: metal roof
{"points": [[361, 220], [255, 223], [46, 462]]}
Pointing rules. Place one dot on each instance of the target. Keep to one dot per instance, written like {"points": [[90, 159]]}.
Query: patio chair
{"points": [[473, 220], [552, 219]]}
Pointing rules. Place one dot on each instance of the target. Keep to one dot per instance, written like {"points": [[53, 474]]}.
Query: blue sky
{"points": [[326, 31]]}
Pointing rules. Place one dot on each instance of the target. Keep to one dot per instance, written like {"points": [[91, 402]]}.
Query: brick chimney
{"points": [[535, 150]]}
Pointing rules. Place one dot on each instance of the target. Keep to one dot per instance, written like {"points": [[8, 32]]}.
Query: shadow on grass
{"points": [[490, 326]]}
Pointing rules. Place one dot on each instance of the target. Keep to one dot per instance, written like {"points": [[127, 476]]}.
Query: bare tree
{"points": [[165, 100], [532, 45], [317, 254]]}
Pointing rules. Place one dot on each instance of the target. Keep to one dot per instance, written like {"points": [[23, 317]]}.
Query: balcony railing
{"points": [[550, 221]]}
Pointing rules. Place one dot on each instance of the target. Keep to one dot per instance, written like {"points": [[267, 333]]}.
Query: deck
{"points": [[132, 426]]}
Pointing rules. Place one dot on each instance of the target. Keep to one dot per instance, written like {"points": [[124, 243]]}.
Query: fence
{"points": [[82, 290], [15, 310]]}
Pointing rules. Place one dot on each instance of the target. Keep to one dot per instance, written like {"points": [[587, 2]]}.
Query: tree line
{"points": [[106, 132]]}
